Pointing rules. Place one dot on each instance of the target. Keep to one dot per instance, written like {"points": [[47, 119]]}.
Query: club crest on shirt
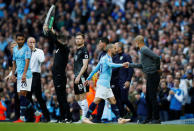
{"points": [[121, 57], [86, 56]]}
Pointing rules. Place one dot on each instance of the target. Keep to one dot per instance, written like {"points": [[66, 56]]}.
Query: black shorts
{"points": [[80, 88]]}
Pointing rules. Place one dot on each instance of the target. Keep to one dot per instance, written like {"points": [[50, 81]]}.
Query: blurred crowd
{"points": [[168, 27]]}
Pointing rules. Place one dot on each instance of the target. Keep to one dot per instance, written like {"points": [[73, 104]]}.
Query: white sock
{"points": [[84, 107]]}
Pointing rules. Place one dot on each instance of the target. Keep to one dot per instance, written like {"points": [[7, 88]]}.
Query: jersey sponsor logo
{"points": [[121, 57]]}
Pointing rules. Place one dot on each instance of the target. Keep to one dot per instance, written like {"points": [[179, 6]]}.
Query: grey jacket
{"points": [[150, 62]]}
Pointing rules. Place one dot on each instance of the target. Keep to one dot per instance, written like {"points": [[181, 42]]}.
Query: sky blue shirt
{"points": [[20, 55], [105, 66], [174, 103]]}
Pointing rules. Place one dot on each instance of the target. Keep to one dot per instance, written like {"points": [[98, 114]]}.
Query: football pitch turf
{"points": [[8, 126]]}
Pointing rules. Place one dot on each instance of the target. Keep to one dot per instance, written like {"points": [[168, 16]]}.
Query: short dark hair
{"points": [[19, 34], [104, 40], [79, 33]]}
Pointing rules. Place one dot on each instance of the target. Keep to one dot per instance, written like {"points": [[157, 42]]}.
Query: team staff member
{"points": [[121, 78], [80, 71], [150, 64], [58, 71], [36, 60]]}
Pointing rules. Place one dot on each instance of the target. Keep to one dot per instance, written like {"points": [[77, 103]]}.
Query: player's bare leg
{"points": [[115, 110], [91, 109]]}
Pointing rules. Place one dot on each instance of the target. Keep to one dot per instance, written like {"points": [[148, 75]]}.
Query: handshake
{"points": [[126, 64]]}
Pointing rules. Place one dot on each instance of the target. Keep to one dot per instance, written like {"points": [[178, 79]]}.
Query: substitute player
{"points": [[21, 61], [80, 67], [103, 90]]}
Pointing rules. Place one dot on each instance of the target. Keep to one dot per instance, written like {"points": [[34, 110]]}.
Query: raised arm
{"points": [[52, 35]]}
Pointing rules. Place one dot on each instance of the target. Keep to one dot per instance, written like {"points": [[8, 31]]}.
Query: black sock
{"points": [[115, 110], [91, 109], [100, 110], [23, 105]]}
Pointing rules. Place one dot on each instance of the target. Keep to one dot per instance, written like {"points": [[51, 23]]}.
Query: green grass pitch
{"points": [[8, 126]]}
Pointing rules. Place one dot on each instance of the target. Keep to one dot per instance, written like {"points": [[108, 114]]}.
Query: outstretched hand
{"points": [[126, 64]]}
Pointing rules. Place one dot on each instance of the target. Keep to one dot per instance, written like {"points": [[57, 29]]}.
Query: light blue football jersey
{"points": [[105, 66], [19, 55]]}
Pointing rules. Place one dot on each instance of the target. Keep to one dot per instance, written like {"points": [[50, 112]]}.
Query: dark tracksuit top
{"points": [[150, 62], [61, 55], [121, 75]]}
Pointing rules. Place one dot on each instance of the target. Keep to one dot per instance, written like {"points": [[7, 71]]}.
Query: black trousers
{"points": [[36, 89], [152, 84], [121, 96], [125, 101], [60, 81], [117, 94]]}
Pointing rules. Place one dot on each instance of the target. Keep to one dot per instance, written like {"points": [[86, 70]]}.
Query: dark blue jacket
{"points": [[121, 75]]}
